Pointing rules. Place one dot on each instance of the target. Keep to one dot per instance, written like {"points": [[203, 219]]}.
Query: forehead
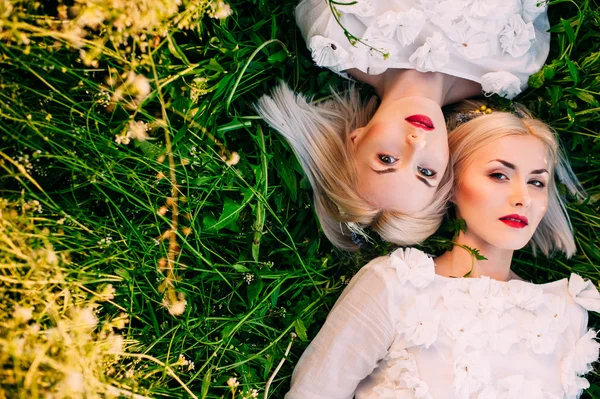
{"points": [[525, 152]]}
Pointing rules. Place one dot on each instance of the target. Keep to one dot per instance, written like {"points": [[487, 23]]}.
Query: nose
{"points": [[416, 140], [520, 196]]}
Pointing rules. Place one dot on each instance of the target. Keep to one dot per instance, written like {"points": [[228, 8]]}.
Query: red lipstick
{"points": [[515, 221], [421, 122]]}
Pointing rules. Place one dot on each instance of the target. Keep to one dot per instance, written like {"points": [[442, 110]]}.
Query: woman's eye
{"points": [[537, 183], [499, 176], [426, 172], [387, 159]]}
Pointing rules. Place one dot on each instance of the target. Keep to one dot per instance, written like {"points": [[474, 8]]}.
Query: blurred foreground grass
{"points": [[130, 127]]}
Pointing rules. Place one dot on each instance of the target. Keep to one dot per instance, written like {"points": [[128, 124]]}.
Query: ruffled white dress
{"points": [[497, 43], [400, 331]]}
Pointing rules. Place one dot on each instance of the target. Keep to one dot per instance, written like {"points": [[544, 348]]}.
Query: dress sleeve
{"points": [[356, 335]]}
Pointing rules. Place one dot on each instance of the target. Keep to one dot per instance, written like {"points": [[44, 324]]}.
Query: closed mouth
{"points": [[421, 122], [516, 221]]}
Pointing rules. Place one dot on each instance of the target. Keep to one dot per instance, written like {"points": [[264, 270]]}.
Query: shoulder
{"points": [[403, 270]]}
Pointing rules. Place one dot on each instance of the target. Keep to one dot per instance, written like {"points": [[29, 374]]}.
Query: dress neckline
{"points": [[549, 284]]}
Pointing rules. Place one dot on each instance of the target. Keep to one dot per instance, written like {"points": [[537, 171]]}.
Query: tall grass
{"points": [[143, 147]]}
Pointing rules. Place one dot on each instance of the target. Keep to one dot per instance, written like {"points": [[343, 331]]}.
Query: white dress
{"points": [[400, 331], [497, 43]]}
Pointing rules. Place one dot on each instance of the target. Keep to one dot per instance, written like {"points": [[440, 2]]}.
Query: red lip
{"points": [[421, 121], [514, 220]]}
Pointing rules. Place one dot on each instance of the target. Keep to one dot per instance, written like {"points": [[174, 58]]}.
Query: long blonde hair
{"points": [[319, 135], [555, 231]]}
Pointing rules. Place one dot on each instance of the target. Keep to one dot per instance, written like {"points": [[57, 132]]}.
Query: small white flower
{"points": [[220, 10], [502, 83], [516, 37], [487, 295], [406, 26], [361, 8], [419, 387], [75, 382], [137, 130], [533, 8], [468, 41], [580, 358], [122, 139], [420, 323], [22, 314], [501, 332], [327, 52], [431, 56], [481, 8], [397, 362], [463, 328], [456, 295], [523, 295], [555, 309], [584, 292], [414, 266], [375, 52], [540, 335], [442, 13], [471, 374], [233, 382]]}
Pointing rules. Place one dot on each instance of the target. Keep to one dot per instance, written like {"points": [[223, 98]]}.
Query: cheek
{"points": [[475, 195]]}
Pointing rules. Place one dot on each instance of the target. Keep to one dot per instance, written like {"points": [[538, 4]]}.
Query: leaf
{"points": [[571, 116], [226, 331], [275, 296], [254, 290], [573, 71], [175, 50], [286, 171], [549, 71], [587, 97], [213, 65], [230, 214], [568, 30], [240, 268], [277, 57], [258, 225], [300, 330], [206, 383], [537, 79]]}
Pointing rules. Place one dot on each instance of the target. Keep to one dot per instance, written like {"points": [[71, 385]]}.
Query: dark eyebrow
{"points": [[507, 164], [513, 167], [392, 170], [538, 171], [425, 181], [384, 171]]}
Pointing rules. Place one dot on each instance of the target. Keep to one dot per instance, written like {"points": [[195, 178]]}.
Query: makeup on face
{"points": [[402, 154], [502, 193], [421, 122]]}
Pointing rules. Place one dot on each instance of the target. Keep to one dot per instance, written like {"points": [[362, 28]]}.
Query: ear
{"points": [[356, 133]]}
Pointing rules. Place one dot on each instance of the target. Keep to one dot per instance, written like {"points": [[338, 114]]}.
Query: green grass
{"points": [[254, 266]]}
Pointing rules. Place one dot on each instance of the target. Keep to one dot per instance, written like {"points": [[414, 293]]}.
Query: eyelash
{"points": [[382, 156], [498, 175], [424, 171]]}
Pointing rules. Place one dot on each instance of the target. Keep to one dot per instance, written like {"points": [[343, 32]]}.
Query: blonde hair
{"points": [[319, 135], [555, 231]]}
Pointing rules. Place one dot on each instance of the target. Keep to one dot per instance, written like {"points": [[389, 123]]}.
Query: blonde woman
{"points": [[412, 326], [381, 163]]}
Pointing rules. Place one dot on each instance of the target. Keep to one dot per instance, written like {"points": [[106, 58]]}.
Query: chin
{"points": [[509, 244]]}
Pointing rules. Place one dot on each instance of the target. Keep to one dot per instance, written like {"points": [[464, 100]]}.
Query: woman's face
{"points": [[502, 193], [402, 154]]}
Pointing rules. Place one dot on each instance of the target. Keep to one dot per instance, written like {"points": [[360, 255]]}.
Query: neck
{"points": [[458, 261], [439, 87]]}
